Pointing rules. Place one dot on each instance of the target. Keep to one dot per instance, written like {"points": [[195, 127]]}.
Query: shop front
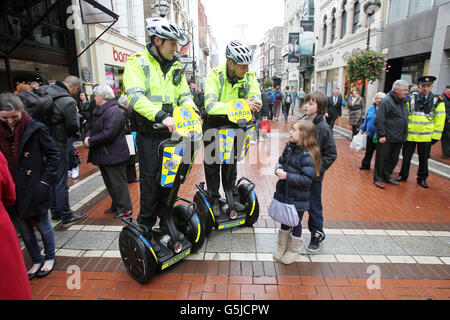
{"points": [[407, 68], [109, 55]]}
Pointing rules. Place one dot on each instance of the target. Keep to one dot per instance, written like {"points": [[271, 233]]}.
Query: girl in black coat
{"points": [[298, 165], [33, 161]]}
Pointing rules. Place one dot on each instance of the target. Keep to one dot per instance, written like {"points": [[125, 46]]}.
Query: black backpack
{"points": [[39, 104], [278, 95]]}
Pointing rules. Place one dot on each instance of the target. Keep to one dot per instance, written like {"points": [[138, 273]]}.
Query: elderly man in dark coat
{"points": [[108, 149]]}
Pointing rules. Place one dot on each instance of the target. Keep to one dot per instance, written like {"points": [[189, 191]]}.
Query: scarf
{"points": [[10, 141]]}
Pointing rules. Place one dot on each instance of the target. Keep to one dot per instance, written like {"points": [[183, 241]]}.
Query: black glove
{"points": [[433, 141]]}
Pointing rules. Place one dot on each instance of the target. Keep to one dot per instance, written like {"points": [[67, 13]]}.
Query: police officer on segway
{"points": [[226, 82]]}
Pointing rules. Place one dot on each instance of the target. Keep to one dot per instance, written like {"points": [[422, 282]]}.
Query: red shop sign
{"points": [[120, 56]]}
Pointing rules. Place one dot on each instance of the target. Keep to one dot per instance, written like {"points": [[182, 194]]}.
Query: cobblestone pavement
{"points": [[401, 234]]}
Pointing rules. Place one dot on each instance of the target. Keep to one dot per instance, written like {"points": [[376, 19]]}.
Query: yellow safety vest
{"points": [[422, 127], [219, 91], [148, 89]]}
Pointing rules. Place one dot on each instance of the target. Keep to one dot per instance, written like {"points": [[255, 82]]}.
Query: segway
{"points": [[232, 149], [145, 252]]}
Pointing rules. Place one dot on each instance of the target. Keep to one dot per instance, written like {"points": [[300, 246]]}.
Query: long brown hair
{"points": [[308, 139]]}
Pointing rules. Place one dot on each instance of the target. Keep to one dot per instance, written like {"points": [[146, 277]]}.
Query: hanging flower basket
{"points": [[366, 64]]}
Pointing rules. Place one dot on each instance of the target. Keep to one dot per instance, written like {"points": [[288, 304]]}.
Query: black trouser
{"points": [[355, 130], [445, 142], [115, 178], [386, 159], [270, 111], [131, 168], [213, 170], [286, 107], [370, 149], [331, 122], [423, 151], [153, 196]]}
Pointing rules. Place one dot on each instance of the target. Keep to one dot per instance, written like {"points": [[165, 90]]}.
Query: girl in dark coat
{"points": [[14, 284], [298, 165], [32, 160], [108, 149]]}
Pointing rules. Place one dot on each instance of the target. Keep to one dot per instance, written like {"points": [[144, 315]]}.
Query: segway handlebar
{"points": [[158, 126]]}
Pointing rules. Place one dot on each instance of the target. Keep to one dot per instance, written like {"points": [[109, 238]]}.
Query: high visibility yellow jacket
{"points": [[425, 125], [148, 88], [219, 91]]}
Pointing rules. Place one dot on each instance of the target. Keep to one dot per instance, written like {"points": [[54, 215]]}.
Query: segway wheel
{"points": [[204, 213], [191, 227], [136, 256], [249, 197]]}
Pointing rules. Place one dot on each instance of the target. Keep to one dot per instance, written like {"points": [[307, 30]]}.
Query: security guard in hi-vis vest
{"points": [[425, 127], [155, 83], [224, 83]]}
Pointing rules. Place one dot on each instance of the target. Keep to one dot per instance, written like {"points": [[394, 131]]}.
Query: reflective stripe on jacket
{"points": [[422, 127], [219, 91], [148, 89]]}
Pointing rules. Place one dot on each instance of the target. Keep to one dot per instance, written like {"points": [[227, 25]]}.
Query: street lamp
{"points": [[370, 8], [162, 8]]}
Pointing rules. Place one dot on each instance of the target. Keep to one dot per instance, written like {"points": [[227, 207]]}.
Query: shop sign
{"points": [[120, 56], [326, 62], [348, 54]]}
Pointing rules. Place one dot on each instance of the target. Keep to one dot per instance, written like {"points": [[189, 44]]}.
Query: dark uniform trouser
{"points": [[153, 196], [331, 122], [423, 151], [212, 173], [386, 159]]}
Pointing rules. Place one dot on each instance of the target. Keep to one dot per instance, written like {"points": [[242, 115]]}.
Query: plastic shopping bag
{"points": [[264, 125], [359, 142]]}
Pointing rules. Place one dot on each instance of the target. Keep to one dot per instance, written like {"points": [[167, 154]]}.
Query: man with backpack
{"points": [[277, 105], [63, 124], [287, 101], [270, 101]]}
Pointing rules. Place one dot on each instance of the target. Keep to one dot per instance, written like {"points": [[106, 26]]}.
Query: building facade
{"points": [[271, 58], [342, 29], [36, 42], [417, 41]]}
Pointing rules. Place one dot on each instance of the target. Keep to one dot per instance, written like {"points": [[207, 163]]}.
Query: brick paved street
{"points": [[403, 232]]}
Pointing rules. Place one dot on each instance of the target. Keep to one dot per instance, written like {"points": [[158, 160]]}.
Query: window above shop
{"points": [[21, 15], [402, 9]]}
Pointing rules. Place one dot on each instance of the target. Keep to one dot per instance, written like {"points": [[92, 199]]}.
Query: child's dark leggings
{"points": [[297, 230]]}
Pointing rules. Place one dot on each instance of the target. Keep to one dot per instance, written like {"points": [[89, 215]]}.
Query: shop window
{"points": [[325, 31], [58, 39], [18, 6], [397, 10], [42, 35], [356, 16], [54, 15], [439, 2], [38, 9], [417, 6]]}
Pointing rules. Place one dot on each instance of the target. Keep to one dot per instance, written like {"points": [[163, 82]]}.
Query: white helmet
{"points": [[239, 53], [165, 29]]}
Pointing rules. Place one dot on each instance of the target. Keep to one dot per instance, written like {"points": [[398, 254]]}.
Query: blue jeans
{"points": [[59, 192], [315, 221], [31, 243]]}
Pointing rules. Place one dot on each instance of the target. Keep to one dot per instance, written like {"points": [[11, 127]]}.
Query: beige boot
{"points": [[294, 246], [282, 243]]}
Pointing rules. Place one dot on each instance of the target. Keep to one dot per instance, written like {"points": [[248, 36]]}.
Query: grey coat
{"points": [[356, 110]]}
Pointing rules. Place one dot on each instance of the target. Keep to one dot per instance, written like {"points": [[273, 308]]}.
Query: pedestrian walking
{"points": [[445, 143], [33, 163], [294, 99], [316, 102], [270, 100], [277, 104], [356, 107], [391, 123], [334, 108], [287, 101], [426, 124], [108, 150], [14, 283], [368, 127], [301, 98], [297, 166]]}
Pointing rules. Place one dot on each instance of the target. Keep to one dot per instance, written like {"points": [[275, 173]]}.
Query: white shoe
{"points": [[69, 173], [252, 141], [75, 173]]}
